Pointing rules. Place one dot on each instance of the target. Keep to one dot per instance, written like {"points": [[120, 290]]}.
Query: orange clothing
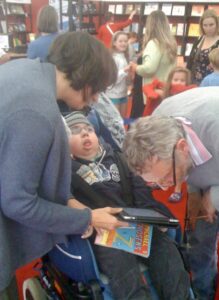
{"points": [[153, 99], [179, 88], [104, 33]]}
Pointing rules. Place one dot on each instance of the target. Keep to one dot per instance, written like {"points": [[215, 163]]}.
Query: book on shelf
{"points": [[150, 7], [31, 36], [135, 27], [91, 7], [178, 10], [19, 1], [65, 6], [16, 9], [197, 10], [135, 239], [2, 11], [119, 9], [137, 7], [3, 26], [180, 29], [179, 49], [167, 8], [111, 8], [193, 29], [188, 49], [173, 28], [4, 42], [215, 7], [129, 8], [16, 42]]}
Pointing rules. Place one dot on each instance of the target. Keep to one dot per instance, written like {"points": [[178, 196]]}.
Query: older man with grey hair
{"points": [[180, 142]]}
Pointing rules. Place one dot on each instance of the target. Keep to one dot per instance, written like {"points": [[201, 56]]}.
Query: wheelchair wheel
{"points": [[32, 290]]}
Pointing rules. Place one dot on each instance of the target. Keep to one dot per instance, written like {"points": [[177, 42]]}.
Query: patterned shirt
{"points": [[202, 64]]}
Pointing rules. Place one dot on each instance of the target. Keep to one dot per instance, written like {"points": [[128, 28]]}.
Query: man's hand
{"points": [[208, 208], [194, 208], [104, 218]]}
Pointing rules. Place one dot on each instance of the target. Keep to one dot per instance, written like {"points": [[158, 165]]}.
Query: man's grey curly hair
{"points": [[150, 136]]}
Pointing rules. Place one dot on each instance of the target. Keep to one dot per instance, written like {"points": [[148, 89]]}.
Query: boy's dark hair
{"points": [[47, 20], [85, 61]]}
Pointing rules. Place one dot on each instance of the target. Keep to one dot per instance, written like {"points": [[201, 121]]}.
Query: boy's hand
{"points": [[104, 218]]}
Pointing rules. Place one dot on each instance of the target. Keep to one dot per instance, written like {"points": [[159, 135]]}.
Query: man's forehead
{"points": [[147, 165]]}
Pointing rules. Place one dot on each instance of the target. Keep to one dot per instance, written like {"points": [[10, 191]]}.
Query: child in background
{"points": [[118, 92], [179, 80], [213, 78], [133, 46]]}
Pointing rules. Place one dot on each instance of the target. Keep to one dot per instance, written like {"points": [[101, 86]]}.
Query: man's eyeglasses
{"points": [[174, 165], [78, 129]]}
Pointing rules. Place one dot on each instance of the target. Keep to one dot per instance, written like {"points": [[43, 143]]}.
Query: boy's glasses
{"points": [[78, 129]]}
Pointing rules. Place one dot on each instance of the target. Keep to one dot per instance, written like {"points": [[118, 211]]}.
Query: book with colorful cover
{"points": [[135, 239], [193, 30], [197, 10], [214, 7]]}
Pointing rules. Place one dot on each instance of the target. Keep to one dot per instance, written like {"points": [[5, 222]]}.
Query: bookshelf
{"points": [[15, 24], [79, 15], [183, 17]]}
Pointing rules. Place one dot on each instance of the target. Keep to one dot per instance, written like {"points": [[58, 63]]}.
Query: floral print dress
{"points": [[202, 66]]}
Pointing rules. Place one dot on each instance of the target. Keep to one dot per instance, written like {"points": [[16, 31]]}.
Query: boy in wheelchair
{"points": [[99, 167]]}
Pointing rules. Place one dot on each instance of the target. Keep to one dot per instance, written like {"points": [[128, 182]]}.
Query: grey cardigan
{"points": [[35, 167]]}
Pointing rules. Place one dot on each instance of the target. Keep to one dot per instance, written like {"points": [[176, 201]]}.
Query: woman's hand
{"points": [[105, 218], [132, 14], [133, 66]]}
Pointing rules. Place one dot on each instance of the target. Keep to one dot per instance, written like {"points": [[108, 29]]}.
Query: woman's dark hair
{"points": [[85, 61], [47, 20], [108, 16]]}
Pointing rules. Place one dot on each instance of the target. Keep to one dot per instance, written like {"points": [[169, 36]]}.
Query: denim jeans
{"points": [[165, 268], [202, 254]]}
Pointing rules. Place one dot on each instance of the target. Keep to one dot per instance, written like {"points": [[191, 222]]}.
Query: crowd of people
{"points": [[63, 117]]}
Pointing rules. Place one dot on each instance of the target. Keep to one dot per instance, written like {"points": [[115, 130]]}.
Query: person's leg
{"points": [[123, 107], [10, 293], [202, 255], [122, 269], [166, 269]]}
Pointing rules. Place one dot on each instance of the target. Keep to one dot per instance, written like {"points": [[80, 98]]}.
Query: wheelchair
{"points": [[85, 282]]}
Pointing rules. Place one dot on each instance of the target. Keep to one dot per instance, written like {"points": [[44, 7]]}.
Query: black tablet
{"points": [[144, 215]]}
